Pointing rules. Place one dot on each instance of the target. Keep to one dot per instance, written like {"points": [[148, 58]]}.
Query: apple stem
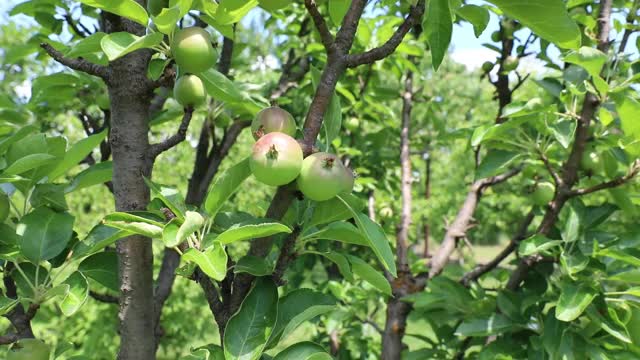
{"points": [[272, 153]]}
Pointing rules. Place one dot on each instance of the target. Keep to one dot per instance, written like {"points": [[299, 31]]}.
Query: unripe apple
{"points": [[192, 50], [273, 119], [487, 66], [352, 124], [323, 176], [189, 91], [543, 193], [510, 63], [276, 159], [591, 162], [495, 36]]}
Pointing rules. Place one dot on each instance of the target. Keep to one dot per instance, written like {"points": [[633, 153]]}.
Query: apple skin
{"points": [[273, 119], [29, 349], [192, 50], [591, 162], [276, 159], [323, 176], [543, 193], [189, 91], [352, 124], [510, 63]]}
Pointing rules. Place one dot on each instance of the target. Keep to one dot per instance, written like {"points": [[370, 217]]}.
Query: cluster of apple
{"points": [[545, 191], [192, 50], [277, 159]]}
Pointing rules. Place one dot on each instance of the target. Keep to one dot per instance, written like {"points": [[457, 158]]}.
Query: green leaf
{"points": [[249, 329], [77, 294], [193, 222], [587, 58], [170, 233], [155, 71], [51, 195], [225, 185], [6, 304], [300, 351], [94, 175], [77, 153], [97, 239], [338, 259], [494, 163], [547, 18], [629, 111], [438, 27], [335, 210], [630, 255], [495, 324], [168, 17], [252, 229], [339, 231], [297, 307], [170, 196], [574, 299], [27, 163], [535, 244], [337, 10], [563, 131], [119, 44], [611, 327], [45, 233], [103, 268], [478, 16], [571, 229], [86, 46], [125, 8], [253, 265], [376, 238], [367, 273], [138, 222], [231, 11], [212, 261]]}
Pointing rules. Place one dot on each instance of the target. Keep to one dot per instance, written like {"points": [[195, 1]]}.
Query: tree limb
{"points": [[321, 25], [480, 270], [287, 255], [78, 64], [9, 339], [109, 299], [175, 139], [460, 225], [379, 53], [633, 171]]}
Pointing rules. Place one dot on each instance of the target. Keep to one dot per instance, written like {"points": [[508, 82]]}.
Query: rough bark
{"points": [[397, 310], [130, 94]]}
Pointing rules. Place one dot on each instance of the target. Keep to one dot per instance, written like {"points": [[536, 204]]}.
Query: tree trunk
{"points": [[130, 96], [397, 312]]}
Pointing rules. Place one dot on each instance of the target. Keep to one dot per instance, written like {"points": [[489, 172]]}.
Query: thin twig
{"points": [[320, 23], [175, 139], [78, 64], [633, 172], [105, 298], [380, 52]]}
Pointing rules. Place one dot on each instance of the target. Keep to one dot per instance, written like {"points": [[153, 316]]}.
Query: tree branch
{"points": [[72, 24], [287, 255], [554, 174], [175, 139], [480, 270], [460, 225], [109, 299], [9, 339], [379, 53], [633, 172], [78, 64], [321, 25]]}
